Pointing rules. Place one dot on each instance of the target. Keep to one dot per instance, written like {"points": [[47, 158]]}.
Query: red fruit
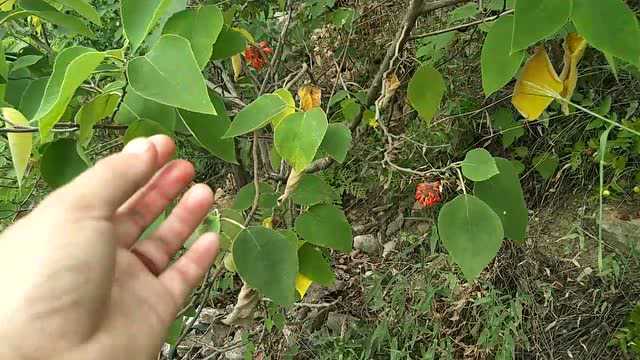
{"points": [[429, 194]]}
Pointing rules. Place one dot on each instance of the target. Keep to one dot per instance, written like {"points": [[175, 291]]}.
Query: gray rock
{"points": [[388, 248], [618, 226], [368, 244], [396, 225]]}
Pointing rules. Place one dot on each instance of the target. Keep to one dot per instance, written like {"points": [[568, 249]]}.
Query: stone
{"points": [[368, 244], [620, 226], [388, 248]]}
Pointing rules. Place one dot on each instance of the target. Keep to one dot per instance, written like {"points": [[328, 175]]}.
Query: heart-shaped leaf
{"points": [[170, 75], [268, 262], [336, 142], [472, 233], [426, 90], [479, 165], [201, 26], [299, 136], [503, 193], [536, 20], [326, 226], [138, 17]]}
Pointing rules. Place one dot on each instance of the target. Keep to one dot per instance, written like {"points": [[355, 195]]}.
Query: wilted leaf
{"points": [[236, 63], [20, 144], [537, 86], [574, 48], [310, 97]]}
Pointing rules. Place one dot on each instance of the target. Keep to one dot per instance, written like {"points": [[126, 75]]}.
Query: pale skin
{"points": [[77, 283]]}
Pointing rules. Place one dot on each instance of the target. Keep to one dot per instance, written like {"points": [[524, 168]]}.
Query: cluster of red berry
{"points": [[429, 194], [258, 56]]}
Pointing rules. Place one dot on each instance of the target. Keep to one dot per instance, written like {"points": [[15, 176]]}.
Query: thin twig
{"points": [[462, 26]]}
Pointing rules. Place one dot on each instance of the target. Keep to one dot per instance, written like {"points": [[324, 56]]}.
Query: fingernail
{"points": [[137, 146]]}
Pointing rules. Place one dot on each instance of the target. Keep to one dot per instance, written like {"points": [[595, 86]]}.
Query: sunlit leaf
{"points": [[537, 86], [287, 97], [298, 137], [169, 74], [20, 144], [201, 26], [138, 17], [257, 114], [47, 12], [83, 8], [72, 67], [302, 284], [100, 108]]}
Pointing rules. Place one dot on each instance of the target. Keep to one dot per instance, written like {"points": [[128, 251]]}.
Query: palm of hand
{"points": [[80, 285]]}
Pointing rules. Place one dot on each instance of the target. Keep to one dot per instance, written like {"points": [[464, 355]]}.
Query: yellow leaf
{"points": [[536, 86], [7, 5], [236, 62], [302, 284], [19, 143], [247, 35], [292, 184], [268, 223], [310, 97], [574, 48], [389, 88]]}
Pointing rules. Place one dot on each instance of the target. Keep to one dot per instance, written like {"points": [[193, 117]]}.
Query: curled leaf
{"points": [[292, 184], [310, 97], [20, 144], [236, 62], [574, 47], [389, 88], [537, 86]]}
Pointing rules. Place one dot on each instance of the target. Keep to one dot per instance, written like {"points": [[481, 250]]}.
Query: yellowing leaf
{"points": [[389, 87], [536, 86], [268, 223], [292, 184], [302, 284], [310, 97], [19, 143], [7, 5], [236, 62], [574, 47], [286, 96], [247, 35]]}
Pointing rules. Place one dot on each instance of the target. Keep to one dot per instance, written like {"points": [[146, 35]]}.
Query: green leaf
{"points": [[208, 130], [287, 97], [175, 330], [135, 108], [143, 128], [169, 74], [326, 226], [610, 26], [256, 115], [201, 26], [20, 145], [24, 62], [246, 195], [426, 90], [503, 193], [100, 108], [138, 17], [314, 266], [299, 136], [479, 165], [511, 130], [336, 142], [546, 165], [312, 190], [32, 97], [83, 8], [536, 20], [230, 226], [47, 12], [471, 232], [229, 43], [350, 109], [61, 163], [268, 262], [72, 67], [499, 65]]}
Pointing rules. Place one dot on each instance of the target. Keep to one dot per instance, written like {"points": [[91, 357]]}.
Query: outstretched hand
{"points": [[76, 283]]}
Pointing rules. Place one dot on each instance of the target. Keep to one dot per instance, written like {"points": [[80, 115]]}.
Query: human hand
{"points": [[76, 284]]}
